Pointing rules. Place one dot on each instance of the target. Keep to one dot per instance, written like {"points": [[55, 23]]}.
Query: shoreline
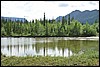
{"points": [[63, 38], [89, 58], [82, 38]]}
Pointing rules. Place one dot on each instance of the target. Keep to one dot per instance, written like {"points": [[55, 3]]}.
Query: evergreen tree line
{"points": [[69, 27]]}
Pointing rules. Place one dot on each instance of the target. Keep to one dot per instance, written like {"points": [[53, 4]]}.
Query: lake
{"points": [[52, 46]]}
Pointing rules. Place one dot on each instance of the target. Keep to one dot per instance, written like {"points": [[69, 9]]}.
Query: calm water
{"points": [[53, 46]]}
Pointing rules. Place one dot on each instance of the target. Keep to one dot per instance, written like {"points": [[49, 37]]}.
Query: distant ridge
{"points": [[83, 16], [14, 18]]}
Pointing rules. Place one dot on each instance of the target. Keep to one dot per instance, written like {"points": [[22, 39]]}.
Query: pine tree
{"points": [[72, 19], [44, 18], [33, 21], [63, 21], [69, 19]]}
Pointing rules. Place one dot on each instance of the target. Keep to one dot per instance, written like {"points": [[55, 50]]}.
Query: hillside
{"points": [[14, 19], [83, 16]]}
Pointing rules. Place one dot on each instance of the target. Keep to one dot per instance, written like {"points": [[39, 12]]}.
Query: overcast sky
{"points": [[35, 9]]}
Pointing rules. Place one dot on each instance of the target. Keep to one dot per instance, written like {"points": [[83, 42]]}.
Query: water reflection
{"points": [[44, 46]]}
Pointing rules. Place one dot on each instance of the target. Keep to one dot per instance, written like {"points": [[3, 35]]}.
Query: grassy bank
{"points": [[88, 58]]}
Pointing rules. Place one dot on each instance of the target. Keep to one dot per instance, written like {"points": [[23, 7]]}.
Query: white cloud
{"points": [[63, 5], [36, 9], [92, 3]]}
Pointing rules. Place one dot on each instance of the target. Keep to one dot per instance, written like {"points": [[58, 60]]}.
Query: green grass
{"points": [[89, 58]]}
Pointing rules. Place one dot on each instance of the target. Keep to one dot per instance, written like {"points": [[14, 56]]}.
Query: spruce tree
{"points": [[69, 19], [63, 21], [44, 18]]}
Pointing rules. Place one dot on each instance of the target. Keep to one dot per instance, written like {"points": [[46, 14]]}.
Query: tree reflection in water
{"points": [[45, 46]]}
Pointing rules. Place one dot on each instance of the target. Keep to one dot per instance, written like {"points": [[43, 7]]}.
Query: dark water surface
{"points": [[53, 46]]}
